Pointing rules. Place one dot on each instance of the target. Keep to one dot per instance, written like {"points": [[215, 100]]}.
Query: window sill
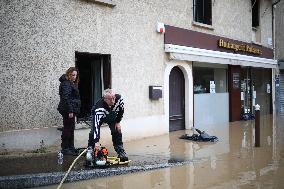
{"points": [[201, 25], [254, 29], [110, 3], [256, 43]]}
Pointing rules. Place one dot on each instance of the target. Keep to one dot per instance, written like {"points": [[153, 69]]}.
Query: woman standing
{"points": [[69, 106]]}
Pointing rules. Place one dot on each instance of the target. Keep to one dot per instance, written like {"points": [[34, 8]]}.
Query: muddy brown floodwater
{"points": [[232, 162]]}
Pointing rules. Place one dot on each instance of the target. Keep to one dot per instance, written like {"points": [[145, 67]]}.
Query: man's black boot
{"points": [[121, 154], [66, 148]]}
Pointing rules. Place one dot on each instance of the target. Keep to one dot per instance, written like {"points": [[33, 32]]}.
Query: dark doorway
{"points": [[177, 101], [95, 76]]}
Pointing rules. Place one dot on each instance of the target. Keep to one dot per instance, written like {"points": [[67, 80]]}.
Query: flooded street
{"points": [[232, 162]]}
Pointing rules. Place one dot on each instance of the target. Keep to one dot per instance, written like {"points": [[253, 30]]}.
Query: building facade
{"points": [[279, 55], [203, 56]]}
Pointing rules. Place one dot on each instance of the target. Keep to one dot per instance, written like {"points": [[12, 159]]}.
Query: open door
{"points": [[95, 76]]}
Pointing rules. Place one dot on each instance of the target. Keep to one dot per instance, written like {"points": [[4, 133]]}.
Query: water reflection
{"points": [[233, 162]]}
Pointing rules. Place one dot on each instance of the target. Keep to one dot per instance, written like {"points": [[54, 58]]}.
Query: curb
{"points": [[43, 179]]}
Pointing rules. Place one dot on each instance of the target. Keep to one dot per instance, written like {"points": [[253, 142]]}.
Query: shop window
{"points": [[255, 13], [202, 10], [209, 80]]}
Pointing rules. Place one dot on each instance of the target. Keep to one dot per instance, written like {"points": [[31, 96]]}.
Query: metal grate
{"points": [[281, 98]]}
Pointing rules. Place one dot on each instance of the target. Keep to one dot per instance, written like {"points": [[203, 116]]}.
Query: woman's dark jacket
{"points": [[69, 97]]}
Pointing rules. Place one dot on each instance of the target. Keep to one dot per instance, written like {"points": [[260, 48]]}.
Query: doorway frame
{"points": [[186, 68], [105, 79]]}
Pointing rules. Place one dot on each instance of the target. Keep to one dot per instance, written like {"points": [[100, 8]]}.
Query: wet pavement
{"points": [[232, 162]]}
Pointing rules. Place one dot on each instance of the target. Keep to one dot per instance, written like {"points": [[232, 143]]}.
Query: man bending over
{"points": [[109, 109]]}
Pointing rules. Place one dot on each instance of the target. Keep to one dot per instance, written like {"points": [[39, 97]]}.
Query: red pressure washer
{"points": [[99, 158]]}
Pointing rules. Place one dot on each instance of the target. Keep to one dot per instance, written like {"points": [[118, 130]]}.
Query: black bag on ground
{"points": [[201, 136]]}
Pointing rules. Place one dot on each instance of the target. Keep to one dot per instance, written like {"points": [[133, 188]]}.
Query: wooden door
{"points": [[95, 76], [176, 106]]}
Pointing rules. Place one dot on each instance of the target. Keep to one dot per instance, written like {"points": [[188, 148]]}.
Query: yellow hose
{"points": [[66, 174]]}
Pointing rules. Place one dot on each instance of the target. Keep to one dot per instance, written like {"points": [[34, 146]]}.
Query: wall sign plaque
{"points": [[236, 80]]}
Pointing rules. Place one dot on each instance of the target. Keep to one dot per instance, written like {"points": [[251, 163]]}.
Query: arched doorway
{"points": [[176, 100]]}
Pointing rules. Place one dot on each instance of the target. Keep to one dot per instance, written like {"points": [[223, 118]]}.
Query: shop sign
{"points": [[239, 47]]}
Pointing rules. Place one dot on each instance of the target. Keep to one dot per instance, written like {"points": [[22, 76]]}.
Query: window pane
{"points": [[203, 11], [255, 13], [203, 76], [207, 12], [220, 78]]}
